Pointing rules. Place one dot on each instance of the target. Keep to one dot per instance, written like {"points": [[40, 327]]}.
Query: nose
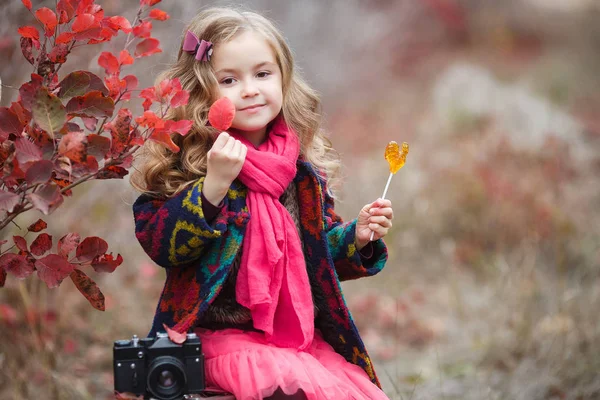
{"points": [[249, 89]]}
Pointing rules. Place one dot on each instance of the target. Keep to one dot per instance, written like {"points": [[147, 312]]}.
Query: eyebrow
{"points": [[257, 66]]}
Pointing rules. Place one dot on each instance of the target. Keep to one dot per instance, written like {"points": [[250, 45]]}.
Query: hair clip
{"points": [[200, 48]]}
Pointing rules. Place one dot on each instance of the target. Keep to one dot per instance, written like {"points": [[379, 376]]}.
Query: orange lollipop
{"points": [[396, 158]]}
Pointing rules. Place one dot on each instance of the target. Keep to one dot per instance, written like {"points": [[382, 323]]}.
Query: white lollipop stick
{"points": [[387, 185]]}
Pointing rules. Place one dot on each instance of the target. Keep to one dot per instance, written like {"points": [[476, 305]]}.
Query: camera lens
{"points": [[166, 378]]}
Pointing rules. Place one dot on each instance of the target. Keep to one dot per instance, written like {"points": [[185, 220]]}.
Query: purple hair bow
{"points": [[200, 48]]}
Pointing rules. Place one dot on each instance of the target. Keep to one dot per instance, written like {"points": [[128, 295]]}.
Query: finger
{"points": [[238, 149], [221, 141], [381, 220], [244, 151], [228, 146], [379, 230], [386, 212]]}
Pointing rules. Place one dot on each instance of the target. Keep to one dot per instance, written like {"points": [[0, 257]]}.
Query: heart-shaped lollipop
{"points": [[221, 114], [396, 158]]}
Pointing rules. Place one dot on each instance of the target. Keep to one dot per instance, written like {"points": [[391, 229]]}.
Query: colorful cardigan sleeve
{"points": [[340, 236], [174, 232]]}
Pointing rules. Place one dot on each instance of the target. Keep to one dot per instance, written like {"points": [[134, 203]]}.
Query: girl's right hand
{"points": [[224, 163]]}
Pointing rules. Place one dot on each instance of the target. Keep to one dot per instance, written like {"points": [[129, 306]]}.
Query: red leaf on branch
{"points": [[65, 38], [115, 86], [24, 115], [27, 3], [90, 248], [98, 146], [29, 32], [163, 137], [147, 47], [90, 123], [66, 10], [149, 2], [26, 151], [109, 62], [28, 90], [46, 199], [85, 26], [143, 30], [158, 15], [48, 112], [74, 146], [2, 277], [182, 126], [92, 104], [88, 289], [181, 98], [78, 83], [52, 269], [16, 264], [21, 243], [27, 49], [106, 263], [90, 166], [112, 172], [131, 83], [9, 123], [41, 244], [47, 17], [125, 58], [59, 53], [150, 120], [119, 22], [120, 129], [175, 336], [67, 244], [37, 226], [39, 172]]}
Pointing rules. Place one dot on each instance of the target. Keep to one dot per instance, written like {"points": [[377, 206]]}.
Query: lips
{"points": [[252, 107]]}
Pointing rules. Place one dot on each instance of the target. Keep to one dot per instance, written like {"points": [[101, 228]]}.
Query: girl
{"points": [[244, 224]]}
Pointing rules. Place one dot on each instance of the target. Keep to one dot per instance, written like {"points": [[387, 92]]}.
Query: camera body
{"points": [[156, 367]]}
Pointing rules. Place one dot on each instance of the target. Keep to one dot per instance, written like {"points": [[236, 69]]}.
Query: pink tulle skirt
{"points": [[244, 364]]}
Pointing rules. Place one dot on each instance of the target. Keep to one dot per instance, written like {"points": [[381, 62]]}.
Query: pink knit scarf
{"points": [[272, 281]]}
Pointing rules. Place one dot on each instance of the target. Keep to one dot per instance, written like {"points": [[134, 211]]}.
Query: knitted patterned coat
{"points": [[198, 256]]}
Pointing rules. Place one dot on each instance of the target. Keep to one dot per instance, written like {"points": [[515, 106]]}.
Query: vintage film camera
{"points": [[158, 368]]}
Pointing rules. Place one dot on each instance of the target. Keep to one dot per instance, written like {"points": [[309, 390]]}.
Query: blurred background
{"points": [[492, 286]]}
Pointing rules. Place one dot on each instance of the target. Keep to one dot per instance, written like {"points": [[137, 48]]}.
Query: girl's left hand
{"points": [[374, 217]]}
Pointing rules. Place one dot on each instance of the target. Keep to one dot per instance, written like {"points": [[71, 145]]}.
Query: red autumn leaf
{"points": [[120, 129], [84, 22], [21, 243], [2, 277], [131, 84], [74, 146], [39, 172], [90, 166], [16, 264], [28, 90], [41, 244], [175, 336], [47, 17], [182, 126], [106, 263], [115, 86], [143, 30], [121, 23], [37, 226], [26, 151], [163, 137], [221, 114], [52, 269], [112, 172], [27, 4], [92, 104], [90, 123], [46, 199], [109, 62], [149, 94], [27, 49], [65, 38], [59, 53], [166, 87], [48, 112], [147, 47], [88, 289], [78, 83], [10, 123], [29, 32], [66, 10], [125, 58], [98, 146], [24, 115], [90, 248], [181, 98], [67, 244], [158, 15], [149, 2], [150, 120]]}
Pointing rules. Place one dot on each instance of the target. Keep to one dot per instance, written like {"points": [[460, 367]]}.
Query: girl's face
{"points": [[248, 74]]}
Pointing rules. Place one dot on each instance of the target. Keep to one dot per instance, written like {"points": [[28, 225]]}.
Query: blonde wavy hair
{"points": [[164, 173]]}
